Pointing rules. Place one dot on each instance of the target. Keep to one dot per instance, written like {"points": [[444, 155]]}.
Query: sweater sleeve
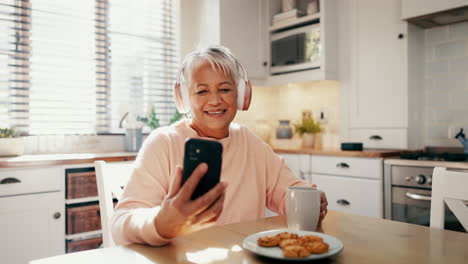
{"points": [[133, 219], [279, 177]]}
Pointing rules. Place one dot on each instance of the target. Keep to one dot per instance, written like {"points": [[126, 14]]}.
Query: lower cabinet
{"points": [[352, 195], [32, 227], [299, 164]]}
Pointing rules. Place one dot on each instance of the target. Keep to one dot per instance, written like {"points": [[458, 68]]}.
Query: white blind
{"points": [[77, 66], [143, 55], [14, 63], [62, 93]]}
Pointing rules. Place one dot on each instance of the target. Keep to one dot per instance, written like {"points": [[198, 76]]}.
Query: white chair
{"points": [[449, 187], [110, 178]]}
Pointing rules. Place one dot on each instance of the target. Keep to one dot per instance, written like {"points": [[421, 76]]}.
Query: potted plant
{"points": [[307, 129], [11, 144]]}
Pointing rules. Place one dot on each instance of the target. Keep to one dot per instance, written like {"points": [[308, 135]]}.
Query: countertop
{"points": [[82, 158], [366, 153], [62, 159], [365, 240]]}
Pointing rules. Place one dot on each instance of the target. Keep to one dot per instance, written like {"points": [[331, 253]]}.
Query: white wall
{"points": [[445, 88]]}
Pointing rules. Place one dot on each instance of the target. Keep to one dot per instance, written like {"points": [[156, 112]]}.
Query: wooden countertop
{"points": [[366, 153], [365, 240], [82, 158], [63, 159]]}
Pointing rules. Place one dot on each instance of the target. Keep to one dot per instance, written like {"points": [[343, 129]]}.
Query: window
{"points": [[78, 66]]}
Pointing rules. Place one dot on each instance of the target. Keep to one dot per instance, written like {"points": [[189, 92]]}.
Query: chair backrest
{"points": [[110, 178], [449, 187]]}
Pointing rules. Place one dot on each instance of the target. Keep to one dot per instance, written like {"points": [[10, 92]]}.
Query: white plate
{"points": [[250, 243]]}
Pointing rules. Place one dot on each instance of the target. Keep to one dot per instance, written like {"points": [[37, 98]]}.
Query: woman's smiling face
{"points": [[213, 100]]}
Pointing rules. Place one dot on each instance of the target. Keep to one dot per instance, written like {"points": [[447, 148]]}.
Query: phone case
{"points": [[196, 152]]}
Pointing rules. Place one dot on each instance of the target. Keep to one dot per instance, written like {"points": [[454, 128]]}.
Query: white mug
{"points": [[302, 208]]}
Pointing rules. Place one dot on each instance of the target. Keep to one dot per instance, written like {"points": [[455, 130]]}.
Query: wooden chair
{"points": [[110, 178], [449, 187]]}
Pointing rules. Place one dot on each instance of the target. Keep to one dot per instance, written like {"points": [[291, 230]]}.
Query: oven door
{"points": [[413, 206]]}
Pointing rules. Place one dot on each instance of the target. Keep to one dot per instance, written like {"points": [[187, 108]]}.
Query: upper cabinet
{"points": [[240, 25], [381, 80], [416, 8], [299, 49], [243, 30], [302, 42]]}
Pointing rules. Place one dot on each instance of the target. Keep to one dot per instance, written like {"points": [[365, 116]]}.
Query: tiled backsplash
{"points": [[288, 101], [446, 83]]}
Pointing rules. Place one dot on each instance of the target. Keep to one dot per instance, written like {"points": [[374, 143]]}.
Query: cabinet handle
{"points": [[342, 165], [375, 137], [265, 63], [9, 181], [400, 36], [343, 202], [57, 215]]}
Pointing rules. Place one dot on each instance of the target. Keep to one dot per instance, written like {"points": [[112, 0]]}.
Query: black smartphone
{"points": [[196, 152]]}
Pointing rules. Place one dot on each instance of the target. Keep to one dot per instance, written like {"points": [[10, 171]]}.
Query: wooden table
{"points": [[366, 240]]}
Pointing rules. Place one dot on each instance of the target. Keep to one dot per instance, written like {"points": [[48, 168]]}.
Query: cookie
{"points": [[310, 238], [286, 235], [316, 247], [289, 242], [268, 241], [295, 251]]}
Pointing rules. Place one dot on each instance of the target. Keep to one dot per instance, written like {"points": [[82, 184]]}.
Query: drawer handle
{"points": [[9, 181], [342, 165], [375, 137], [343, 202], [57, 215]]}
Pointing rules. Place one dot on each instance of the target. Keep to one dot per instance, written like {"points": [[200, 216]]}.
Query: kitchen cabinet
{"points": [[239, 25], [299, 164], [327, 19], [352, 185], [243, 30], [32, 220], [381, 80], [416, 8]]}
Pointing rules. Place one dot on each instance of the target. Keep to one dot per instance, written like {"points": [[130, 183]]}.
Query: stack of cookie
{"points": [[294, 246]]}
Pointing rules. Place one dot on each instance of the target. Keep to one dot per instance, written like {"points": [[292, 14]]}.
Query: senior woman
{"points": [[155, 207]]}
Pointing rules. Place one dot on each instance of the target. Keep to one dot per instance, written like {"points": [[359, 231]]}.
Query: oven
{"points": [[407, 196]]}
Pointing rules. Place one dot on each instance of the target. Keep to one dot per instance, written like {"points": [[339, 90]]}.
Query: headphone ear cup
{"points": [[179, 99], [247, 96], [240, 94]]}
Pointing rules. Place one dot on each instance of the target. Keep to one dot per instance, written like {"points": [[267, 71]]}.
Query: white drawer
{"points": [[31, 180], [351, 195], [346, 166], [380, 138]]}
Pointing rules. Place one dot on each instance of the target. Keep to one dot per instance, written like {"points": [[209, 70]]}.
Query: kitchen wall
{"points": [[445, 93], [273, 103]]}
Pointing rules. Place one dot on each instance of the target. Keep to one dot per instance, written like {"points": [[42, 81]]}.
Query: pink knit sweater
{"points": [[257, 179]]}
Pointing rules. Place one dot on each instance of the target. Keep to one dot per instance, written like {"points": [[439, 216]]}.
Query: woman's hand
{"points": [[323, 205], [180, 215]]}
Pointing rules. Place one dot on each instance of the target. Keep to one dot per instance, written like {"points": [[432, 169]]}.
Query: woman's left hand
{"points": [[323, 205]]}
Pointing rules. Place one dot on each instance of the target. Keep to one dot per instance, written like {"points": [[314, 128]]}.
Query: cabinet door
{"points": [[378, 65], [351, 195], [31, 227], [243, 30], [299, 164]]}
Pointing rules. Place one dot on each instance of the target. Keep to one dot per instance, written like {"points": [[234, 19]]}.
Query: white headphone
{"points": [[244, 90]]}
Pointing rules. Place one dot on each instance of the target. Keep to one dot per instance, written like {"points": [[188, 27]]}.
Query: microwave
{"points": [[296, 49]]}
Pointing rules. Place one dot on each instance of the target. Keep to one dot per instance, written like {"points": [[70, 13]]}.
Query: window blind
{"points": [[78, 66], [15, 25], [143, 61]]}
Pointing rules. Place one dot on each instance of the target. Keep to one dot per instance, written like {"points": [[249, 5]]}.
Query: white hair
{"points": [[220, 58]]}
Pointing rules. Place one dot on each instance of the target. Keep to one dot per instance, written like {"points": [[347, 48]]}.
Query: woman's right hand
{"points": [[180, 215]]}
